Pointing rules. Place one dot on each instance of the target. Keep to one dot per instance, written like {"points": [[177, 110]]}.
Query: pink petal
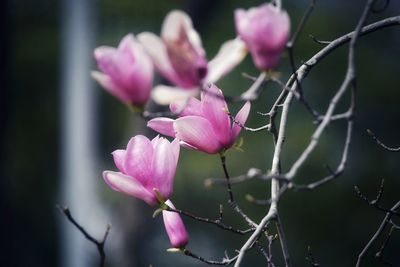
{"points": [[103, 52], [116, 64], [129, 69], [128, 185], [186, 145], [172, 25], [275, 23], [265, 30], [190, 106], [197, 132], [163, 126], [242, 22], [184, 49], [155, 140], [164, 167], [241, 117], [127, 43], [138, 159], [175, 228], [140, 80], [119, 159], [176, 149], [157, 51], [230, 54], [215, 110], [107, 83], [165, 95]]}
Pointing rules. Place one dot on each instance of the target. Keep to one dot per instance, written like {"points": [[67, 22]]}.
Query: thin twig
{"points": [[283, 241], [385, 221], [333, 174], [241, 125], [217, 222], [290, 48], [254, 91], [99, 244], [301, 25], [232, 201], [225, 261], [298, 94], [252, 173], [228, 183], [379, 254], [379, 142], [319, 41], [375, 203], [311, 258]]}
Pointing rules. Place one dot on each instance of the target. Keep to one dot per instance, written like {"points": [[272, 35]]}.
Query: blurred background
{"points": [[58, 129]]}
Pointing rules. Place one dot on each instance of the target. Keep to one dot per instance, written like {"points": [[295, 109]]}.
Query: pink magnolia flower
{"points": [[126, 71], [203, 125], [179, 57], [265, 30], [175, 228], [144, 166]]}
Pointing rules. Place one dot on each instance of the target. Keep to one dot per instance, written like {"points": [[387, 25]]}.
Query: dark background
{"points": [[332, 220]]}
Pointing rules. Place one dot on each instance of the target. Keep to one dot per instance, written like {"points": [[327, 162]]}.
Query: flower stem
{"points": [[228, 182]]}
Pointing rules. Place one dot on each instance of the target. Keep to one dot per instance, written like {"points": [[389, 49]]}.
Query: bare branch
{"points": [[251, 174], [379, 142], [385, 221], [254, 91], [293, 82], [301, 25], [99, 244], [311, 258], [333, 174], [282, 238], [349, 79], [379, 254], [318, 41], [217, 222], [241, 125], [225, 261], [375, 203], [228, 184], [270, 216]]}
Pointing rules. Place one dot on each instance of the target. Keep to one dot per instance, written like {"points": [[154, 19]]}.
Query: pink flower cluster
{"points": [[146, 168], [178, 55], [203, 125]]}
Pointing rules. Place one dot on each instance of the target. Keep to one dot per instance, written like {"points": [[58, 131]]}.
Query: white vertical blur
{"points": [[80, 177]]}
